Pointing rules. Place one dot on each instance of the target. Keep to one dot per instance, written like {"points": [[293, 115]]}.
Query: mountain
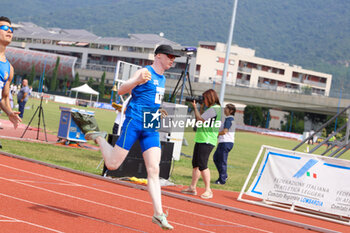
{"points": [[312, 33]]}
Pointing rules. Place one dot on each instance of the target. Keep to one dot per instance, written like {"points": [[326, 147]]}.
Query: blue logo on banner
{"points": [[309, 164]]}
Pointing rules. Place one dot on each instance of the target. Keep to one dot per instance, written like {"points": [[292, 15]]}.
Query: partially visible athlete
{"points": [[6, 71]]}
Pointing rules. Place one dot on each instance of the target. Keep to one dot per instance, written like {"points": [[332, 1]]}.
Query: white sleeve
{"points": [[210, 113]]}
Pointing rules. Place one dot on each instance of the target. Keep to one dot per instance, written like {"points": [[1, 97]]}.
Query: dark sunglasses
{"points": [[6, 28], [170, 56]]}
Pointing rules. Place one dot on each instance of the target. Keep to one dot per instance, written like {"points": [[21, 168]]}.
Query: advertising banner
{"points": [[306, 180], [65, 100], [103, 105], [270, 132]]}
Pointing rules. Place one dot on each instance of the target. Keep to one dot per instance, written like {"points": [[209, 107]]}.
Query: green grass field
{"points": [[241, 158]]}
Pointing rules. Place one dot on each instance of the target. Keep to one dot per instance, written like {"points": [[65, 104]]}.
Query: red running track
{"points": [[38, 198]]}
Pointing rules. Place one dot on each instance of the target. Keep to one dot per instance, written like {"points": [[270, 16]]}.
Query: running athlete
{"points": [[147, 87], [6, 71]]}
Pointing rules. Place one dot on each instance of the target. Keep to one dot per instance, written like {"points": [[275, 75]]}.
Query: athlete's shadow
{"points": [[77, 214]]}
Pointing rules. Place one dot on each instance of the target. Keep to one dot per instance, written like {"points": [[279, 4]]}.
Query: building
{"points": [[94, 54], [247, 70]]}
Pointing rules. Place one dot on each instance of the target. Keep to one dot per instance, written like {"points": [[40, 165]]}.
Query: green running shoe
{"points": [[162, 222]]}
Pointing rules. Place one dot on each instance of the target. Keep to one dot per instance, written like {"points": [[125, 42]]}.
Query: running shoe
{"points": [[162, 222], [92, 135]]}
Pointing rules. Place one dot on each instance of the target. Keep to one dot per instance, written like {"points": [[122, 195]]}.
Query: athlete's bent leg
{"points": [[113, 156]]}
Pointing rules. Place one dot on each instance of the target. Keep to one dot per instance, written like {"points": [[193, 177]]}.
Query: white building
{"points": [[245, 69]]}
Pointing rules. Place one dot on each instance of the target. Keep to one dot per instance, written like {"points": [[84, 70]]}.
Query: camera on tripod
{"points": [[185, 76], [189, 49], [198, 99]]}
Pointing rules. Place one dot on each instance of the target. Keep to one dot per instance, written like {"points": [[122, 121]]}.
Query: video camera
{"points": [[198, 99], [189, 49]]}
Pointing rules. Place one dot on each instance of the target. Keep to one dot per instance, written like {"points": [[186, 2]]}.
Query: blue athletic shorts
{"points": [[133, 130]]}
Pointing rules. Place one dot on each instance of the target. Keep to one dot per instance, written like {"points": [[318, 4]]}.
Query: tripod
{"points": [[184, 75], [41, 113]]}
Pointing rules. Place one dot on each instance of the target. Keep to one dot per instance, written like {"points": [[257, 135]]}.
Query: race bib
{"points": [[159, 95]]}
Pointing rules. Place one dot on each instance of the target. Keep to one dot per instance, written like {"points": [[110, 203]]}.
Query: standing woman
{"points": [[205, 141], [226, 141]]}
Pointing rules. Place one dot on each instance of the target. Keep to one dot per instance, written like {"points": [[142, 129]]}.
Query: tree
{"points": [[76, 81], [101, 87], [65, 84], [297, 125], [90, 82], [255, 116], [35, 85], [341, 121], [32, 75], [53, 82]]}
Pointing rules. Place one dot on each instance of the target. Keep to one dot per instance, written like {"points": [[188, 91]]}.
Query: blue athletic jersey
{"points": [[146, 97], [5, 69]]}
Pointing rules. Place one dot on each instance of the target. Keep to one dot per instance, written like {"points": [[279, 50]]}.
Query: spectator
{"points": [[14, 89], [118, 120], [311, 140], [331, 140], [30, 91], [22, 97], [226, 141]]}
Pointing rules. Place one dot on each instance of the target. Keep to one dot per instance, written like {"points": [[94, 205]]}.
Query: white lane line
{"points": [[43, 182], [37, 174], [29, 223], [135, 199], [97, 203]]}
